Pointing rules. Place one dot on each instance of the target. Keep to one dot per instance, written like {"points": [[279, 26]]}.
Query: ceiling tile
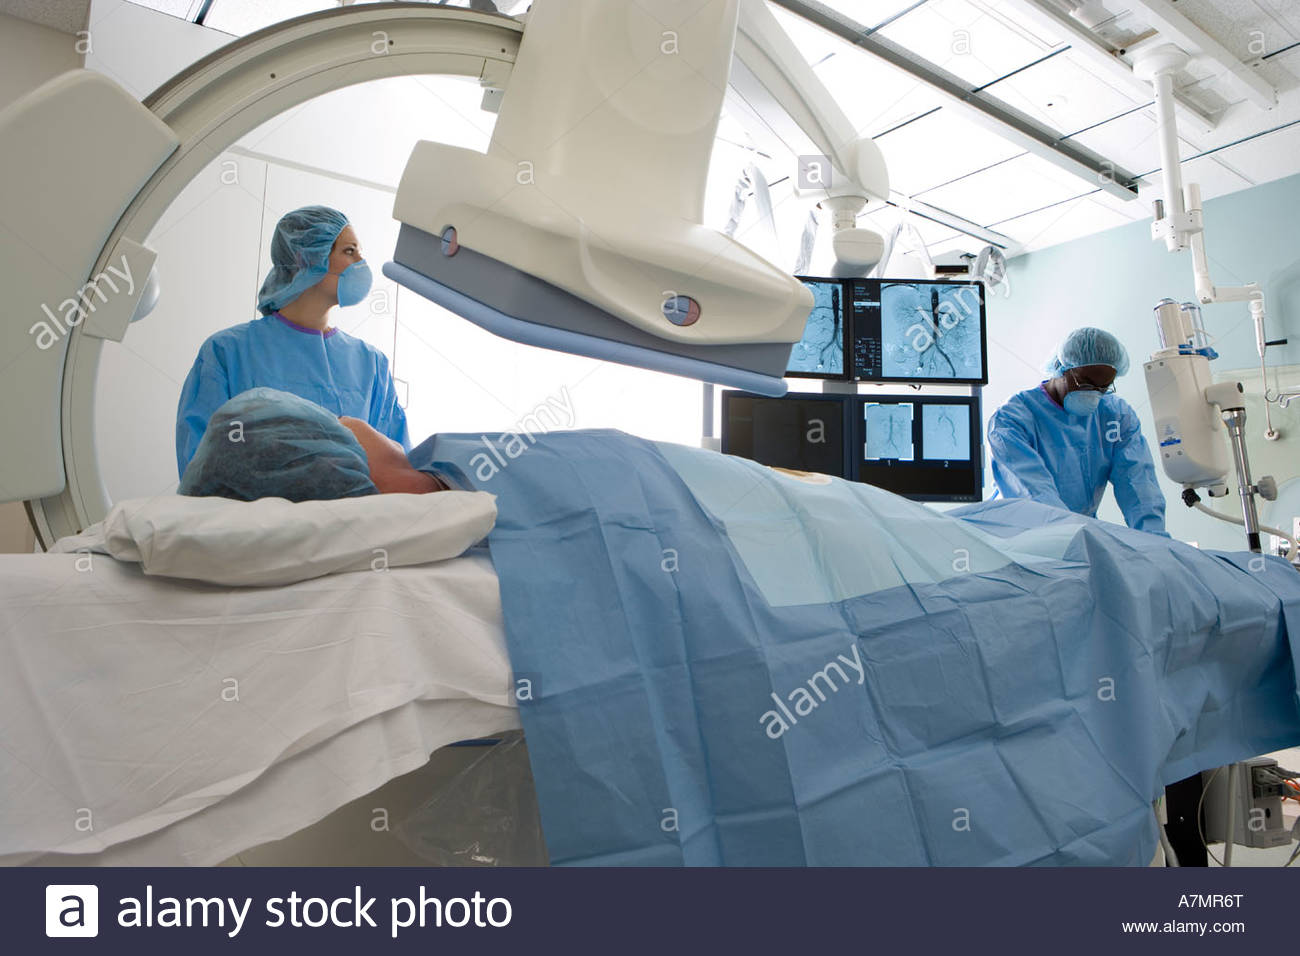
{"points": [[809, 39], [964, 40], [1240, 24], [1283, 70], [1011, 13], [937, 149], [1214, 178], [894, 98], [1009, 189], [1065, 95], [1080, 217], [870, 13], [1131, 142], [1267, 157]]}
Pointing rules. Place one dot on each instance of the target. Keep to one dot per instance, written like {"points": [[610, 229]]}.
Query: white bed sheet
{"points": [[164, 722]]}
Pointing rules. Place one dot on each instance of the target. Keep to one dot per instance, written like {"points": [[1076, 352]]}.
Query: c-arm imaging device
{"points": [[580, 229], [587, 209]]}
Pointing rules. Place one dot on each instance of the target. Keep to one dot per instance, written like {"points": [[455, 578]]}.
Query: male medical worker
{"points": [[1062, 441], [316, 264]]}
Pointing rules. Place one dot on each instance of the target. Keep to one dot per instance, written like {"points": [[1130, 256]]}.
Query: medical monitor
{"points": [[822, 350], [913, 330], [924, 448], [927, 448], [802, 432]]}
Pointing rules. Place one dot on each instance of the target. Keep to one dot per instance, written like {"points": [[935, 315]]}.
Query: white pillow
{"points": [[273, 541]]}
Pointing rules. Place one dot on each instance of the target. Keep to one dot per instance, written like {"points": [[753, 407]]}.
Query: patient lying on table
{"points": [[264, 443]]}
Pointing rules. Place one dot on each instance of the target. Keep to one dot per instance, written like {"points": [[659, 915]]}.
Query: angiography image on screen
{"points": [[945, 432], [930, 330], [821, 350], [888, 431]]}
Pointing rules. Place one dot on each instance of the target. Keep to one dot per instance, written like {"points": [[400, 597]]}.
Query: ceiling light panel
{"points": [[873, 95], [1047, 227], [938, 149], [1008, 190], [1065, 96], [964, 40]]}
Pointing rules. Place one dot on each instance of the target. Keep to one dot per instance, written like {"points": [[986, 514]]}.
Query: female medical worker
{"points": [[315, 264], [1061, 442]]}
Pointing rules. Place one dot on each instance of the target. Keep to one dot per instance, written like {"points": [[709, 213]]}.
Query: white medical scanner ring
{"points": [[158, 147]]}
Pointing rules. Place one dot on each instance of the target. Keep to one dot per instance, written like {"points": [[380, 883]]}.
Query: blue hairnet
{"points": [[300, 254], [265, 443], [1089, 346]]}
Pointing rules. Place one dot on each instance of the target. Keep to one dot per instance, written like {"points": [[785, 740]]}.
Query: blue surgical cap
{"points": [[300, 254], [1088, 346], [264, 443]]}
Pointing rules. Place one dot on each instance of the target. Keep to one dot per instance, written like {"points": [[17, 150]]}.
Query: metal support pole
{"points": [[708, 412], [1235, 419]]}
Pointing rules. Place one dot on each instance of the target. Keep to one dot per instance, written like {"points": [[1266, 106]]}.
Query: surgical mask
{"points": [[1083, 402], [354, 283]]}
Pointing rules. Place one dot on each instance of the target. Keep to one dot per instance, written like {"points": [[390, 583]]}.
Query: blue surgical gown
{"points": [[1041, 451], [333, 369]]}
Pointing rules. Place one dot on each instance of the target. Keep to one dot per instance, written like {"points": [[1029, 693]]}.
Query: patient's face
{"points": [[390, 469]]}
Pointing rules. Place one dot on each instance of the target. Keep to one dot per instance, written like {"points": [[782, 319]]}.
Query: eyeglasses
{"points": [[1080, 386]]}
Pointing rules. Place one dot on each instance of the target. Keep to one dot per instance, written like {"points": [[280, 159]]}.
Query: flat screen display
{"points": [[909, 330], [802, 432], [820, 353], [927, 448]]}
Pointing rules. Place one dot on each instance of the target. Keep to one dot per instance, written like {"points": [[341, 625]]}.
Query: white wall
{"points": [[140, 48]]}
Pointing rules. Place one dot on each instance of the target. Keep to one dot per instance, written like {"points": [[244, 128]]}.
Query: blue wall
{"points": [[1114, 279]]}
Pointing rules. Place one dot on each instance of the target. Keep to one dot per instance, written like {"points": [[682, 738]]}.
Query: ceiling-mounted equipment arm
{"points": [[1179, 220], [773, 78], [775, 91]]}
